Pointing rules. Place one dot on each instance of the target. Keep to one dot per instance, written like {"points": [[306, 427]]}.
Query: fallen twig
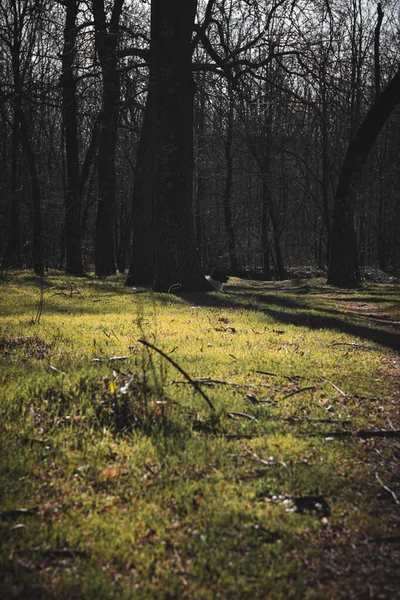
{"points": [[299, 391], [387, 489], [53, 553], [328, 434], [354, 345], [333, 385], [45, 442], [311, 420], [361, 433], [18, 512], [210, 381], [235, 414], [240, 436], [55, 370], [194, 383], [369, 433]]}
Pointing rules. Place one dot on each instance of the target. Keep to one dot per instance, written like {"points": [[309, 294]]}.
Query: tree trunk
{"points": [[36, 197], [228, 186], [277, 232], [107, 36], [73, 201], [27, 146], [382, 250], [265, 233], [175, 249], [201, 175], [12, 258], [325, 167], [141, 269], [382, 253], [343, 267], [122, 243], [276, 228]]}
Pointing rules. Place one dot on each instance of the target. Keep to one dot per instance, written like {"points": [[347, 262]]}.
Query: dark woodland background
{"points": [[96, 96]]}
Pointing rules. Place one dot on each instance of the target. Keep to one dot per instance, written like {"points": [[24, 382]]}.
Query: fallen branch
{"points": [[299, 391], [45, 442], [369, 433], [328, 434], [18, 512], [361, 433], [387, 489], [235, 414], [240, 436], [333, 385], [194, 383], [210, 381], [55, 370], [311, 420], [53, 553], [354, 345]]}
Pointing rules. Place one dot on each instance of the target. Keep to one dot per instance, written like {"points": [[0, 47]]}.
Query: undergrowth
{"points": [[238, 445]]}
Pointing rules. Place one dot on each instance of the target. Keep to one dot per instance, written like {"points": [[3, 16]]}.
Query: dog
{"points": [[217, 279]]}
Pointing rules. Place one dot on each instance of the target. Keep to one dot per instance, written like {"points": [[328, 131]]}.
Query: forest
{"points": [[160, 141], [164, 437]]}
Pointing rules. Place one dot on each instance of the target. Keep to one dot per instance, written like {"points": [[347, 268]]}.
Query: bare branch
{"points": [[194, 383]]}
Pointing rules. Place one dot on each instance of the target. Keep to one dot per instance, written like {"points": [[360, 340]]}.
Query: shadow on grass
{"points": [[298, 312], [273, 300]]}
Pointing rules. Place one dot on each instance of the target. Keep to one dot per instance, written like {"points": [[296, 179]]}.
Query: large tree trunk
{"points": [[141, 269], [73, 201], [201, 186], [343, 267], [175, 249], [107, 36]]}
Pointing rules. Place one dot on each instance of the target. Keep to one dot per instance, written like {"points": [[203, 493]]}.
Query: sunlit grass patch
{"points": [[136, 486]]}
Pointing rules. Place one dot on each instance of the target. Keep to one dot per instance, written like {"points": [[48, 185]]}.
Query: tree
{"points": [[23, 29], [141, 270], [172, 24], [73, 196], [282, 89], [227, 201], [343, 266], [106, 40]]}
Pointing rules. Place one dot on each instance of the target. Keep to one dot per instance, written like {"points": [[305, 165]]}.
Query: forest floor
{"points": [[240, 445]]}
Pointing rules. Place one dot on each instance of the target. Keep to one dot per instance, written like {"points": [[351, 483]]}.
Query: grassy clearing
{"points": [[118, 480]]}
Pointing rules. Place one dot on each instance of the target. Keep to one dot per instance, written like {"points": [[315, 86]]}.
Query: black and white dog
{"points": [[217, 279]]}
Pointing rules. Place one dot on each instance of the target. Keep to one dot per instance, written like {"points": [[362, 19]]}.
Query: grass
{"points": [[119, 481]]}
